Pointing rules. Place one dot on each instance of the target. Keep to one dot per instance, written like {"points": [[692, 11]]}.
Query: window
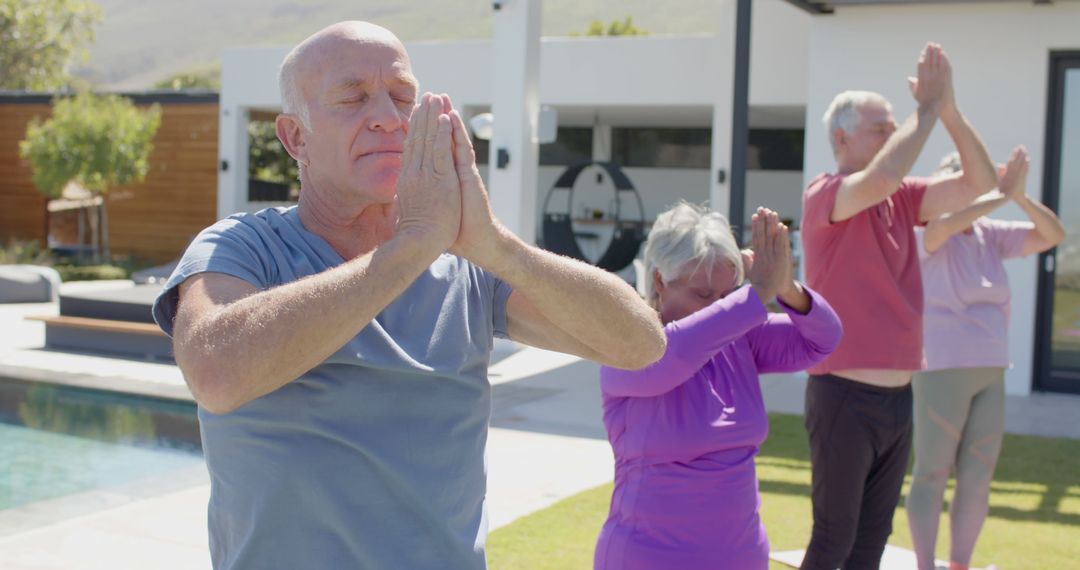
{"points": [[272, 173], [661, 148], [775, 149], [572, 145], [481, 148]]}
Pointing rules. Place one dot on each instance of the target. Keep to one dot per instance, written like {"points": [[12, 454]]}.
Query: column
{"points": [[512, 164]]}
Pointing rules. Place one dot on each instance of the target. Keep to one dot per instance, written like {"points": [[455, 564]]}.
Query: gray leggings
{"points": [[959, 422]]}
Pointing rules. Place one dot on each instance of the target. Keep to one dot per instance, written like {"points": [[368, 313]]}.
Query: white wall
{"points": [[779, 36], [779, 190], [666, 73], [650, 70], [1000, 56], [248, 81]]}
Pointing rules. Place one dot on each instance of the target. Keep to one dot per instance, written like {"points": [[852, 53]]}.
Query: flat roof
{"points": [[829, 6], [195, 96]]}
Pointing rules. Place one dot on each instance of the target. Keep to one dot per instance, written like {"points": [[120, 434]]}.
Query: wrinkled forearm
{"points": [[900, 152], [978, 167], [1047, 224], [235, 352], [941, 229], [598, 309]]}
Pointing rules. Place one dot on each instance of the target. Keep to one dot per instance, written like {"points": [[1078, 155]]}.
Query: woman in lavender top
{"points": [[960, 397], [686, 429]]}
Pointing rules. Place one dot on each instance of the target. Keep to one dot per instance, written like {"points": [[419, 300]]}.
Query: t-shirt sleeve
{"points": [[499, 292], [818, 202], [230, 247], [912, 191], [1006, 236]]}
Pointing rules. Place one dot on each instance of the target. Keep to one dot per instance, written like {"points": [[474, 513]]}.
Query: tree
{"points": [[40, 39], [209, 79], [99, 141], [269, 161], [615, 28]]}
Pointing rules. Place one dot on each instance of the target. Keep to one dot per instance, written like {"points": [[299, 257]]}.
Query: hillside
{"points": [[142, 41]]}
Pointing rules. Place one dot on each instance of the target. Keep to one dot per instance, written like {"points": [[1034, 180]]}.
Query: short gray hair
{"points": [[292, 98], [950, 164], [687, 236], [843, 112]]}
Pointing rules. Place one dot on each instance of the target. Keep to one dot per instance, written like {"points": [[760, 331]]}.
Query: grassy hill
{"points": [[142, 41]]}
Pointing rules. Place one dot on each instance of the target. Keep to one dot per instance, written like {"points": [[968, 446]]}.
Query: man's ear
{"points": [[839, 138], [292, 136]]}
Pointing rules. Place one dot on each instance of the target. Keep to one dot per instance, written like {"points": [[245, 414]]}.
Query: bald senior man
{"points": [[338, 349]]}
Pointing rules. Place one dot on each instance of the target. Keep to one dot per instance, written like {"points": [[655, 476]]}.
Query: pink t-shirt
{"points": [[966, 320], [867, 267]]}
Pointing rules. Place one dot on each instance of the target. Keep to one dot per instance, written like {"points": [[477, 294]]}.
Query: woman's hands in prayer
{"points": [[769, 262], [1013, 176]]}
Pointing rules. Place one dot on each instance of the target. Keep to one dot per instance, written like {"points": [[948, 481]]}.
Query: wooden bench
{"points": [[98, 324], [128, 338]]}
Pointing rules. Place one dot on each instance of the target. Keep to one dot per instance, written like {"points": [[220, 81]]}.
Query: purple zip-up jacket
{"points": [[686, 429]]}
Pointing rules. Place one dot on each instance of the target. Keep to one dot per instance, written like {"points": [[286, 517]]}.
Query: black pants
{"points": [[860, 441]]}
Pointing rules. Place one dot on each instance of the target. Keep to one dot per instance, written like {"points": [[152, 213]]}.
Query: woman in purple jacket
{"points": [[686, 429]]}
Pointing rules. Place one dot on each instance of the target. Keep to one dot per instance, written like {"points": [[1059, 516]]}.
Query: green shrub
{"points": [[25, 253], [90, 272], [70, 268]]}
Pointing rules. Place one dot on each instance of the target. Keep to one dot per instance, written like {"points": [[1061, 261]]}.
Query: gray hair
{"points": [[687, 236], [292, 98], [950, 164], [843, 112]]}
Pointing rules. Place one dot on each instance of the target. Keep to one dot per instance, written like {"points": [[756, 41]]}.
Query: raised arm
{"points": [[883, 176], [940, 229], [569, 306], [1048, 231], [235, 343], [691, 342], [557, 303], [978, 175], [796, 340], [810, 330], [696, 338]]}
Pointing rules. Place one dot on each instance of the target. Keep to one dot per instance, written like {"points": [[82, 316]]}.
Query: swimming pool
{"points": [[57, 441]]}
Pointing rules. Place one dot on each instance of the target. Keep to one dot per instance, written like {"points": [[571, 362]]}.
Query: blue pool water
{"points": [[57, 441]]}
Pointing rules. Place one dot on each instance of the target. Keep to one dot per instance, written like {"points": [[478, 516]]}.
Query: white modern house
{"points": [[735, 119]]}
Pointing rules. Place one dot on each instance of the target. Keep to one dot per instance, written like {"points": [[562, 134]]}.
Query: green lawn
{"points": [[1034, 510], [1066, 318]]}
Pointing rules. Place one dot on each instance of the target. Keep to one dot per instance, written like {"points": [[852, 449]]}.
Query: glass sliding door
{"points": [[1058, 339]]}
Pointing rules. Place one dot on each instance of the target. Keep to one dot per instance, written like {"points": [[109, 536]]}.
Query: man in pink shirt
{"points": [[860, 254]]}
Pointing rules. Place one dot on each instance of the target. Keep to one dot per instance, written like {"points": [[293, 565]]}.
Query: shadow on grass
{"points": [[1029, 465], [1035, 472], [566, 401]]}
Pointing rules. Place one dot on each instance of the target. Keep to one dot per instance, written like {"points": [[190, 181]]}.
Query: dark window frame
{"points": [[628, 148], [550, 154], [1044, 377]]}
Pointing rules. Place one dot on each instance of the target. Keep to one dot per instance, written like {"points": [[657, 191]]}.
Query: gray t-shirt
{"points": [[373, 459]]}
